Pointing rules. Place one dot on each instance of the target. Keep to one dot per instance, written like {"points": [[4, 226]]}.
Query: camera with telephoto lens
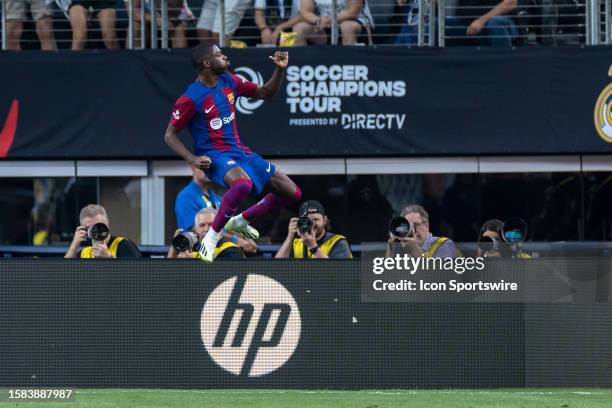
{"points": [[185, 241], [96, 233], [304, 224], [514, 230], [508, 245], [488, 244], [399, 227]]}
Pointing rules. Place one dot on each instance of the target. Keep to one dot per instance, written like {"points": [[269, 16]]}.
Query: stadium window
{"points": [[550, 203], [121, 196], [41, 210], [598, 196]]}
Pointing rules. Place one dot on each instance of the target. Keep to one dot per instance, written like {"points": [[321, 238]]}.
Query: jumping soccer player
{"points": [[207, 108]]}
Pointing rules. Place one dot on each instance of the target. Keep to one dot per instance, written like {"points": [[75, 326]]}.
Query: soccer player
{"points": [[207, 109]]}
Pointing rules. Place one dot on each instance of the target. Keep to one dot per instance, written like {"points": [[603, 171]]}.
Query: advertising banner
{"points": [[263, 324], [335, 101]]}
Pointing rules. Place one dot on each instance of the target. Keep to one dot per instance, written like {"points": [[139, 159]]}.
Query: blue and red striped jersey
{"points": [[210, 115]]}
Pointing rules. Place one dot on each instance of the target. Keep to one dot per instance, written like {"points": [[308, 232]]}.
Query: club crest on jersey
{"points": [[230, 98], [229, 163]]}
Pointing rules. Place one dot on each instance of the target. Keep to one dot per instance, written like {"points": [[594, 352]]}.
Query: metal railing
{"points": [[543, 22], [172, 24], [529, 24], [565, 249]]}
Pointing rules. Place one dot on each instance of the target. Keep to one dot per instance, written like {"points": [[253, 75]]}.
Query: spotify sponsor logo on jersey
{"points": [[217, 123], [321, 89]]}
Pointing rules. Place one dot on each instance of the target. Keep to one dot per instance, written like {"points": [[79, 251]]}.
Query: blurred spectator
{"points": [[461, 208], [406, 13], [550, 15], [226, 249], [179, 15], [487, 22], [354, 19], [198, 194], [41, 224], [367, 203], [42, 15], [434, 187], [422, 243], [109, 247], [314, 241], [400, 189], [209, 23], [274, 17], [556, 22], [136, 25], [107, 17]]}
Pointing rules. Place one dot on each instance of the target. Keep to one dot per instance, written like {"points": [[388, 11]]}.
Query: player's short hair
{"points": [[418, 209], [92, 210], [199, 52]]}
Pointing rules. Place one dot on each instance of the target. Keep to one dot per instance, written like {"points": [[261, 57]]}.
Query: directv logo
{"points": [[250, 325]]}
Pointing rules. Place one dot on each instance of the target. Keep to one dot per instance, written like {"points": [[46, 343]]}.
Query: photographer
{"points": [[418, 241], [314, 241], [186, 244], [94, 235], [502, 240]]}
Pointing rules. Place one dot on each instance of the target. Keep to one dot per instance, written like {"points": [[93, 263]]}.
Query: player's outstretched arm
{"points": [[172, 140], [270, 88]]}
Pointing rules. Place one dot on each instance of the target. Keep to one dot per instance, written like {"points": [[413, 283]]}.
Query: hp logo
{"points": [[244, 105], [250, 325]]}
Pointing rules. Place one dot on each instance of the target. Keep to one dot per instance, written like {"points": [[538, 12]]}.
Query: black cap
{"points": [[311, 206]]}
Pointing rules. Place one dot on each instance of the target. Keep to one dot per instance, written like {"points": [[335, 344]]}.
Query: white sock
{"points": [[212, 235]]}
